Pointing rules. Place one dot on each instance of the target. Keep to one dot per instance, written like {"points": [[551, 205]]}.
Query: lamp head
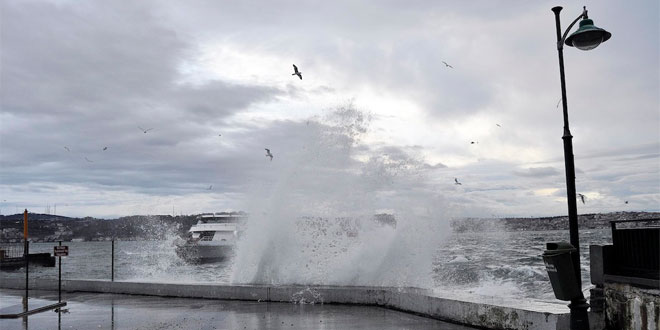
{"points": [[588, 36]]}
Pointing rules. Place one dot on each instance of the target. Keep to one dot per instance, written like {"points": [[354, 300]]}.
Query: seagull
{"points": [[296, 72], [67, 148], [268, 154], [87, 159], [582, 197], [447, 65], [145, 130], [456, 182], [105, 148]]}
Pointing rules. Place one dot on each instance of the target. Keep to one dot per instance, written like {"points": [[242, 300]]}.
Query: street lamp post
{"points": [[586, 37]]}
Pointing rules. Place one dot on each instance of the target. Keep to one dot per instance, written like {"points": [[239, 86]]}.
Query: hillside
{"points": [[585, 221], [50, 228]]}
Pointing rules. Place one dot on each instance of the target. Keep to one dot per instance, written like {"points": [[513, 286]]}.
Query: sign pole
{"points": [[59, 282], [26, 255], [112, 262], [60, 251]]}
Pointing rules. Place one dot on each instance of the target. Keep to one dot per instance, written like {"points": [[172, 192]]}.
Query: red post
{"points": [[25, 225]]}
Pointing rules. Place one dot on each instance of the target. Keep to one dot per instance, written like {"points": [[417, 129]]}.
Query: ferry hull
{"points": [[194, 253]]}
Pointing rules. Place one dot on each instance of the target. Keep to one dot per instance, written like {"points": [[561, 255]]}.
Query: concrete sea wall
{"points": [[483, 312], [630, 307]]}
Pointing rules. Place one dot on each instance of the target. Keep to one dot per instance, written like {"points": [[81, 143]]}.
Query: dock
{"points": [[38, 259]]}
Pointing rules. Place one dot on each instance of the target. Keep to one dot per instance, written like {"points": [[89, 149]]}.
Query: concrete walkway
{"points": [[118, 311], [476, 311]]}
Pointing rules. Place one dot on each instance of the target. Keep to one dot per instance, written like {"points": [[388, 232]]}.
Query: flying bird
{"points": [[145, 130], [210, 187], [473, 142], [626, 202], [87, 159], [67, 148], [498, 125], [447, 65], [582, 197], [268, 154], [63, 310], [105, 148], [296, 72], [558, 103], [456, 182]]}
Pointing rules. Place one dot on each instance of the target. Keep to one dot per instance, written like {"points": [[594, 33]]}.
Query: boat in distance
{"points": [[212, 239]]}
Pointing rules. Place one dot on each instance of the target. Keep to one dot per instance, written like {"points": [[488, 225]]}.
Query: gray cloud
{"points": [[86, 75], [83, 56], [88, 80], [537, 172]]}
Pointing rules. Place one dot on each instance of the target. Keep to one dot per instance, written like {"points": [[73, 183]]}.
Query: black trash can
{"points": [[558, 261]]}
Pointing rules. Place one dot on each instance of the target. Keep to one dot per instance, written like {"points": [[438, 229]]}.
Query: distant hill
{"points": [[585, 221], [52, 228], [35, 216]]}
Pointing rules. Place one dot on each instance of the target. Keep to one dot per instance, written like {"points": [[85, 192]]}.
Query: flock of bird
{"points": [[85, 157], [298, 73], [106, 148]]}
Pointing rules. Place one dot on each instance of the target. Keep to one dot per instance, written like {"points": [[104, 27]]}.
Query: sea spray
{"points": [[153, 262], [312, 220]]}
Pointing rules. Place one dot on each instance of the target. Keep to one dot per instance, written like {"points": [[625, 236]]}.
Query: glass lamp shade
{"points": [[588, 36]]}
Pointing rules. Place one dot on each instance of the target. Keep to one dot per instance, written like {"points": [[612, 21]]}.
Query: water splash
{"points": [[307, 296], [156, 261], [312, 220]]}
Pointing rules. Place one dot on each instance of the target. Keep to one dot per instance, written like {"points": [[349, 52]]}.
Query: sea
{"points": [[493, 263]]}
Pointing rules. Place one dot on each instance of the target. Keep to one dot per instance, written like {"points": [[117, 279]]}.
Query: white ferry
{"points": [[213, 238]]}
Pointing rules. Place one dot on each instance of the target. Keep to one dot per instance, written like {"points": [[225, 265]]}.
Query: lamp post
{"points": [[586, 37]]}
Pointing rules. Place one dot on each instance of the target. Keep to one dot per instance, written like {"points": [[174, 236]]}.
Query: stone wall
{"points": [[630, 307]]}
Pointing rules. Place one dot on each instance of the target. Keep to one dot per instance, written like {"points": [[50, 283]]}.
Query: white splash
{"points": [[307, 296], [313, 221]]}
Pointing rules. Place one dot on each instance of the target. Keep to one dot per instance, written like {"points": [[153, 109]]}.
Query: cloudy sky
{"points": [[212, 81]]}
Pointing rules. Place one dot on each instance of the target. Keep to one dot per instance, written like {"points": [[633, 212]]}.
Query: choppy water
{"points": [[486, 263], [150, 261], [506, 263]]}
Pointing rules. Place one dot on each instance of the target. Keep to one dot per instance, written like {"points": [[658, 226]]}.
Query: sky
{"points": [[421, 93]]}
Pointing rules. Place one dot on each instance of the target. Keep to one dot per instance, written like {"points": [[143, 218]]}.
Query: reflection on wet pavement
{"points": [[107, 311]]}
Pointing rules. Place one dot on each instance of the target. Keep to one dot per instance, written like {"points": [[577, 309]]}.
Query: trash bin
{"points": [[558, 261]]}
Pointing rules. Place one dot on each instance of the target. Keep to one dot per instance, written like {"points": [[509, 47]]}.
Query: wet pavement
{"points": [[110, 311]]}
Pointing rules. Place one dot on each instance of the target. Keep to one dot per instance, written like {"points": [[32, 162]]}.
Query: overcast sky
{"points": [[376, 109]]}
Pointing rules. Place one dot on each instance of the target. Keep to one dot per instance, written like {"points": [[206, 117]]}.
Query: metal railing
{"points": [[94, 260], [11, 250], [636, 248]]}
